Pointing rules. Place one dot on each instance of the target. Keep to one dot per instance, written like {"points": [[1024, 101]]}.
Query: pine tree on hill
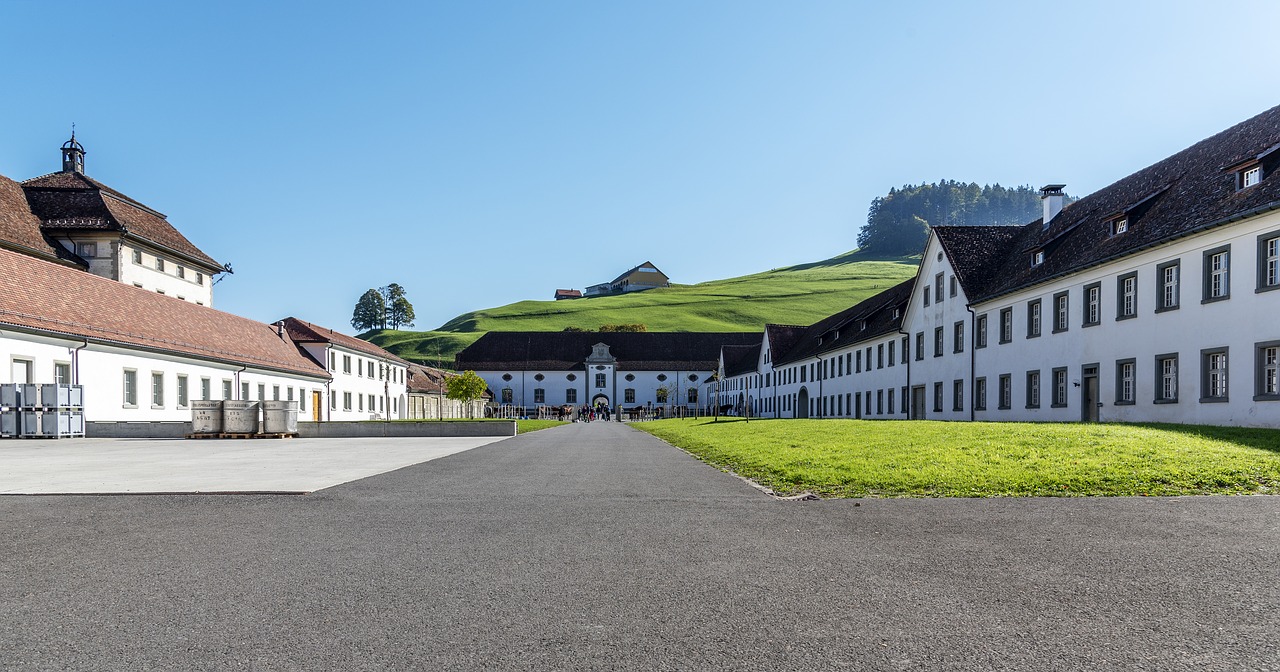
{"points": [[898, 223]]}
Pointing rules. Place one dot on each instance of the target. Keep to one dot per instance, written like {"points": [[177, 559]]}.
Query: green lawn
{"points": [[800, 294], [858, 458], [526, 426]]}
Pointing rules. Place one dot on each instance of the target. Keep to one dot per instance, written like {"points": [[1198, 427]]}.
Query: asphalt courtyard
{"points": [[599, 547]]}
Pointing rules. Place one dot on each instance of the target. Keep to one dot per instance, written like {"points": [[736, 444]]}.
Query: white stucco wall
{"points": [[374, 394]]}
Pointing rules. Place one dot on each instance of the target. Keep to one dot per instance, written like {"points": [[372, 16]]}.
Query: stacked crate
{"points": [[41, 411]]}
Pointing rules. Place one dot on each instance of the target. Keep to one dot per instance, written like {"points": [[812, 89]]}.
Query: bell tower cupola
{"points": [[72, 155]]}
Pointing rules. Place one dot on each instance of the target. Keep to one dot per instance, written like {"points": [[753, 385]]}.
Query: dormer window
{"points": [[1119, 225], [862, 325], [897, 312], [1037, 258], [1250, 176]]}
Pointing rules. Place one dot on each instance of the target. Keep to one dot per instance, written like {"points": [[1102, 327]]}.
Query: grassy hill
{"points": [[800, 294]]}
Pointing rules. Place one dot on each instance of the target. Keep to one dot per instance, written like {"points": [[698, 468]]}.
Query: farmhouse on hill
{"points": [[642, 277]]}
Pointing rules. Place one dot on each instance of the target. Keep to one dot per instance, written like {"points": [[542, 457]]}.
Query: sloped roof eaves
{"points": [[876, 309], [1194, 194], [306, 332], [46, 297]]}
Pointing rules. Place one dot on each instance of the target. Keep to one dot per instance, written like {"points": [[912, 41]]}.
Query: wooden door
{"points": [[315, 406]]}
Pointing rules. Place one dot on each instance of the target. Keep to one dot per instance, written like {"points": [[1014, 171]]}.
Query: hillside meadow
{"points": [[916, 458], [800, 294]]}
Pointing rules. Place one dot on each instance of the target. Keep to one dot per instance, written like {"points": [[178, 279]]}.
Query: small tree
{"points": [[465, 388], [370, 312]]}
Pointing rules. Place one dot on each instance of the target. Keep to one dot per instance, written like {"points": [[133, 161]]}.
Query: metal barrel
{"points": [[279, 417], [240, 417], [206, 417]]}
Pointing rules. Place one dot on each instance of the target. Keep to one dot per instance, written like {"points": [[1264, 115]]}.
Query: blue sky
{"points": [[480, 153]]}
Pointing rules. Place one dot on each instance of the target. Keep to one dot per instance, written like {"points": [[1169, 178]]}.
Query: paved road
{"points": [[597, 547]]}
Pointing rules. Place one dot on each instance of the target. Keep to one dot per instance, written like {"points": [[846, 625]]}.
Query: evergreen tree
{"points": [[898, 223]]}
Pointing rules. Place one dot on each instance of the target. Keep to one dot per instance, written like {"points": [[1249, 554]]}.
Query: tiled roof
{"points": [[45, 296], [1181, 195], [568, 350], [740, 359], [845, 328], [306, 332], [20, 228], [71, 201], [425, 380]]}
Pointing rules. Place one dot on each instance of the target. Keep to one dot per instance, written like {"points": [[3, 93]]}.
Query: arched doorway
{"points": [[802, 403], [600, 400]]}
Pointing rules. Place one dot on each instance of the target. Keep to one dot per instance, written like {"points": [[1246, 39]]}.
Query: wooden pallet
{"points": [[237, 435]]}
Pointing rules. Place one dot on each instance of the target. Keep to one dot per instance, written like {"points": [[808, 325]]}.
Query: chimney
{"points": [[1051, 197]]}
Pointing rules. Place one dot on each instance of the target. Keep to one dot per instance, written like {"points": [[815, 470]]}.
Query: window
{"points": [[919, 346], [62, 373], [937, 397], [333, 400], [1037, 258], [226, 388], [957, 337], [302, 399], [980, 337], [1125, 370], [1267, 364], [290, 394], [130, 388], [661, 394], [1127, 296], [1217, 279], [880, 356], [937, 287], [1268, 262], [1006, 391], [199, 278], [159, 264], [858, 361], [157, 389], [346, 364], [1119, 226], [629, 396], [1061, 306], [840, 367], [571, 396], [1006, 325], [1060, 387], [1170, 289], [1033, 389], [183, 393], [1033, 318], [954, 286], [87, 250], [539, 395], [244, 392], [346, 400], [1092, 304], [957, 395], [980, 394], [1213, 375], [937, 341], [182, 271], [926, 295], [137, 256], [275, 393], [693, 395], [1250, 176], [891, 356], [904, 350], [371, 374], [889, 399], [600, 380]]}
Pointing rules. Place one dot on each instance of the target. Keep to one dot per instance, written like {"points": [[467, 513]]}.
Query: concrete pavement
{"points": [[140, 466], [598, 547]]}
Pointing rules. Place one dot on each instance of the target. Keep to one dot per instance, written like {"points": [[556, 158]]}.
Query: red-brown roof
{"points": [[72, 201], [44, 296], [306, 332], [20, 228]]}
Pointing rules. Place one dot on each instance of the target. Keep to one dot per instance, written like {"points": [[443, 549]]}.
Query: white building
{"points": [[1152, 300], [99, 290], [368, 383], [99, 229], [529, 370]]}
